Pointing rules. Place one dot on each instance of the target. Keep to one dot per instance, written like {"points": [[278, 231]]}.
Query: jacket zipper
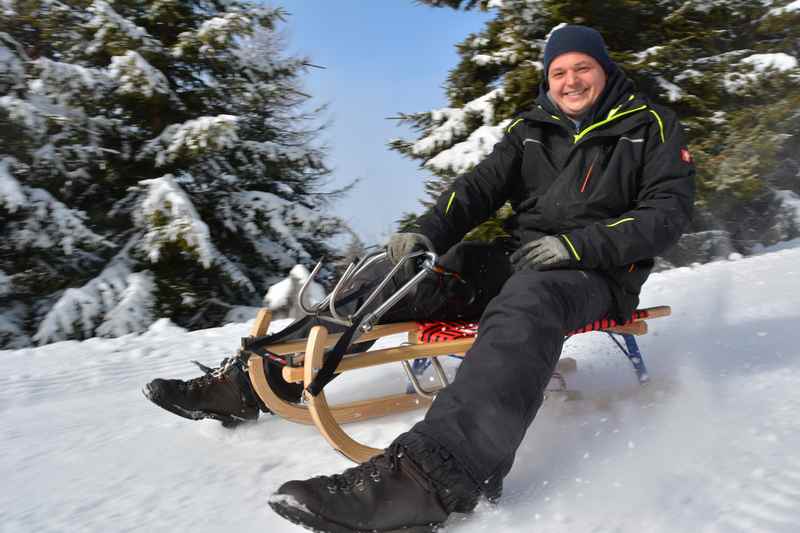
{"points": [[588, 174]]}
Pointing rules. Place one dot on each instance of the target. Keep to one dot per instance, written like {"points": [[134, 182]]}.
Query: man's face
{"points": [[576, 82]]}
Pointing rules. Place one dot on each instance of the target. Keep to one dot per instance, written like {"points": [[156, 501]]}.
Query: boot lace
{"points": [[358, 477], [212, 375]]}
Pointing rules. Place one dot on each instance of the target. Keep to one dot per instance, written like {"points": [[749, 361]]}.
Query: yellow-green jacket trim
{"points": [[571, 247], [508, 130], [618, 222], [660, 125], [614, 116], [450, 202]]}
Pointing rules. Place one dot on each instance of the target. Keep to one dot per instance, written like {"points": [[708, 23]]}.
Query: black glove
{"points": [[542, 254], [402, 244]]}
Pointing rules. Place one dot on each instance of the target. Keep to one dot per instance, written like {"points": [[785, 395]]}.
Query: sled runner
{"points": [[316, 360]]}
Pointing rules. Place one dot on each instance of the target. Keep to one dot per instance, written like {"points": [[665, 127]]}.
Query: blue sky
{"points": [[381, 57]]}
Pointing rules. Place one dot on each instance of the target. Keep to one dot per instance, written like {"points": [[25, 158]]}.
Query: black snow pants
{"points": [[482, 416]]}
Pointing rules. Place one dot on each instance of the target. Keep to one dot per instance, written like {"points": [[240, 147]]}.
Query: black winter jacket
{"points": [[618, 192]]}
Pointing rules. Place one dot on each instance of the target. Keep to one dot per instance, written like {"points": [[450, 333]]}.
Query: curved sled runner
{"points": [[305, 361]]}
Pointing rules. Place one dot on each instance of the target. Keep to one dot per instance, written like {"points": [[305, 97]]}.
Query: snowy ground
{"points": [[710, 446]]}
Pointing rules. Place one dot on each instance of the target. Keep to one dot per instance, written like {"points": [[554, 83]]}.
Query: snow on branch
{"points": [[12, 73], [167, 215], [116, 302], [451, 123], [114, 32], [59, 222], [215, 34], [11, 194], [672, 91], [271, 224], [50, 222], [136, 76], [761, 66], [465, 155], [192, 138], [779, 61], [788, 8], [135, 310], [56, 78], [25, 113]]}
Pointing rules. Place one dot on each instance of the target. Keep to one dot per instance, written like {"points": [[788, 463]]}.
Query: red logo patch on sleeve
{"points": [[686, 157]]}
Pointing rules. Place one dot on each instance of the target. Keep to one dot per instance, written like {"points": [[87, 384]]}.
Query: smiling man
{"points": [[600, 182]]}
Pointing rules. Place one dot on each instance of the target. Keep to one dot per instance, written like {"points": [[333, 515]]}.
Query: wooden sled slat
{"points": [[348, 412], [320, 411], [634, 328], [344, 413], [656, 312], [389, 355]]}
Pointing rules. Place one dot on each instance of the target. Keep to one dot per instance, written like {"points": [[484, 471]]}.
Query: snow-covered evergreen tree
{"points": [[156, 159], [725, 66]]}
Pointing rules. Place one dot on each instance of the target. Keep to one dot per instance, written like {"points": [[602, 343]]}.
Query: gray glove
{"points": [[542, 254], [402, 244]]}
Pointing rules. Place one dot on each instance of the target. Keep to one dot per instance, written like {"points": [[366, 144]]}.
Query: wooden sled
{"points": [[304, 358]]}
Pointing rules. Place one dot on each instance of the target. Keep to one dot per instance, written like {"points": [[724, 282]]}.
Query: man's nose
{"points": [[571, 77]]}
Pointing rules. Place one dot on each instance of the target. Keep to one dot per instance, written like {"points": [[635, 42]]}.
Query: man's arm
{"points": [[662, 211], [473, 197]]}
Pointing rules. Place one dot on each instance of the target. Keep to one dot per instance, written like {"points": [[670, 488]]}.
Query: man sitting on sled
{"points": [[600, 182]]}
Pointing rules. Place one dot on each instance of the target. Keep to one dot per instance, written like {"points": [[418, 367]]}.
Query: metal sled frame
{"points": [[306, 358]]}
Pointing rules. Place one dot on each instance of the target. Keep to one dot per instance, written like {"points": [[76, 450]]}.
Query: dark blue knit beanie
{"points": [[577, 39]]}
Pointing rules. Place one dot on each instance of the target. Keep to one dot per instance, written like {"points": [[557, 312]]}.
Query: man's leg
{"points": [[484, 414], [468, 438]]}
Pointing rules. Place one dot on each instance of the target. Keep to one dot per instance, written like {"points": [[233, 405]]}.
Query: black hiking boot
{"points": [[222, 393], [409, 489], [389, 494]]}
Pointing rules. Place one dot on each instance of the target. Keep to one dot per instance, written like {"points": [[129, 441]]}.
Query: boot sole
{"points": [[227, 421], [318, 524]]}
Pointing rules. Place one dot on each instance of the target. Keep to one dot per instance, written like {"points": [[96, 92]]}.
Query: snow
{"points": [[10, 66], [709, 445], [451, 123], [465, 155], [283, 295], [52, 223], [115, 303], [778, 61], [270, 223], [791, 200], [219, 30], [788, 8], [135, 76], [134, 311], [761, 65], [11, 195], [674, 93], [110, 26], [167, 215], [193, 137], [645, 54]]}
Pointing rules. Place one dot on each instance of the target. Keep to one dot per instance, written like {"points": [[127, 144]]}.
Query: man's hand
{"points": [[402, 244], [542, 254]]}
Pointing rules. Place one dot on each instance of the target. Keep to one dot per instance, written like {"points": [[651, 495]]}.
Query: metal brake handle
{"points": [[428, 266]]}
